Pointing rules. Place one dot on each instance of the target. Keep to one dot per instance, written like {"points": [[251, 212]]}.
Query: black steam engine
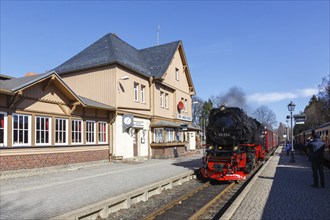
{"points": [[234, 144]]}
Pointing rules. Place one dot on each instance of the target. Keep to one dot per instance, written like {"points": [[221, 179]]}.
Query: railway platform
{"points": [[91, 191], [282, 190]]}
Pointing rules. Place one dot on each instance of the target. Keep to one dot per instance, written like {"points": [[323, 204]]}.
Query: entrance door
{"points": [[135, 143]]}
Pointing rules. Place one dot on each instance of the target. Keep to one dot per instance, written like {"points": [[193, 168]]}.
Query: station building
{"points": [[110, 100]]}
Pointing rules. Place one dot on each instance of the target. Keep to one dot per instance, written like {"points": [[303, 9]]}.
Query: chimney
{"points": [[30, 74]]}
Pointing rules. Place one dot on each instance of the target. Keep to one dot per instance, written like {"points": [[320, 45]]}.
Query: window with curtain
{"points": [[102, 132], [90, 132], [158, 135], [43, 130], [77, 131], [21, 130], [3, 129], [169, 135], [61, 131]]}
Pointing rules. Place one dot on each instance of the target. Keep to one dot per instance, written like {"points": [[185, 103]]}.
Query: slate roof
{"points": [[158, 58], [111, 49], [96, 104], [15, 84], [5, 77]]}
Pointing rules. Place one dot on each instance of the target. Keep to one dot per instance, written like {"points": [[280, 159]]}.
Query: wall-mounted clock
{"points": [[127, 120]]}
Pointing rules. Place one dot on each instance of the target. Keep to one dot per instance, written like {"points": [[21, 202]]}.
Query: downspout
{"points": [[112, 121], [152, 106]]}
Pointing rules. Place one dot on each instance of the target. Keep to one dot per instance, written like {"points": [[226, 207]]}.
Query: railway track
{"points": [[208, 201], [205, 202], [191, 203]]}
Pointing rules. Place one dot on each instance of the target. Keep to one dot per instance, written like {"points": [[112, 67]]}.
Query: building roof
{"points": [[15, 84], [5, 77], [111, 49], [158, 58], [95, 104], [160, 124]]}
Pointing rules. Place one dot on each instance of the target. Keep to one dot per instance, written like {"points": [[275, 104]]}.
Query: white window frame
{"points": [[75, 131], [28, 129], [158, 135], [179, 136], [177, 74], [166, 100], [161, 99], [143, 93], [136, 92], [105, 133], [4, 129], [90, 132], [62, 130], [170, 135], [43, 130]]}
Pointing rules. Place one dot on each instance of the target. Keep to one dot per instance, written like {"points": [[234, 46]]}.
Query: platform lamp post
{"points": [[291, 107]]}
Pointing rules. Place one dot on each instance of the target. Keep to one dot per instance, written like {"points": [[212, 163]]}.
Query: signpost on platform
{"points": [[299, 119]]}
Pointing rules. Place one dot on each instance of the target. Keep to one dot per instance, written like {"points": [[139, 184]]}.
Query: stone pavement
{"points": [[281, 190], [49, 195]]}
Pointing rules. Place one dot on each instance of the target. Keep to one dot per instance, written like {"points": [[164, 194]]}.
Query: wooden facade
{"points": [[44, 123]]}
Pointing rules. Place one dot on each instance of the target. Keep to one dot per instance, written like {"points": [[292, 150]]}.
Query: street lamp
{"points": [[120, 86], [291, 107], [124, 78]]}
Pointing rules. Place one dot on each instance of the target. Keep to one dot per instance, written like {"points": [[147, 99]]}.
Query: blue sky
{"points": [[273, 51]]}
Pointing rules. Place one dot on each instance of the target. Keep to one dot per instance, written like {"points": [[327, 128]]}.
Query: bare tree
{"points": [[197, 109], [281, 131], [324, 96], [266, 116]]}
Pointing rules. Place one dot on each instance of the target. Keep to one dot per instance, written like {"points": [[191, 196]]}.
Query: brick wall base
{"points": [[31, 161], [166, 152]]}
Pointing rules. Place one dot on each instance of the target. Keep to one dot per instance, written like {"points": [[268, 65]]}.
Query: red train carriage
{"points": [[322, 130], [271, 140], [235, 143]]}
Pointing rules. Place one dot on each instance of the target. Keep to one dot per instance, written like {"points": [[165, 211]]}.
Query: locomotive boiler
{"points": [[234, 144]]}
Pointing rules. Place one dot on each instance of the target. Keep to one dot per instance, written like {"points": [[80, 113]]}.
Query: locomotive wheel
{"points": [[200, 177], [250, 163], [248, 167]]}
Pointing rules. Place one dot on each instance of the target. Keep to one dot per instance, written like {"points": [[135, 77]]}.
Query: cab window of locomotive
{"points": [[225, 122]]}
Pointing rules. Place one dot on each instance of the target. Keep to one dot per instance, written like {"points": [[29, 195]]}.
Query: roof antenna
{"points": [[158, 30]]}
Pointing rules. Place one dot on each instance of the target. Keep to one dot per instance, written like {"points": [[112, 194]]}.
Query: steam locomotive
{"points": [[235, 143]]}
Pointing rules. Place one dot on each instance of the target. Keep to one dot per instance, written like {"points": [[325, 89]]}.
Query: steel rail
{"points": [[202, 210], [176, 202]]}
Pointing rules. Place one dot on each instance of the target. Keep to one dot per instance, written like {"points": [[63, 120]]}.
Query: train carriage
{"points": [[323, 131]]}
